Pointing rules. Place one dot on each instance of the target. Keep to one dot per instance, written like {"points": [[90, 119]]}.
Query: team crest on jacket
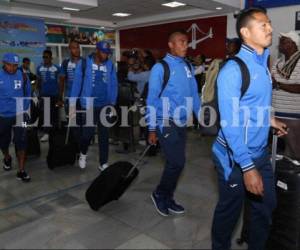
{"points": [[18, 84], [188, 72]]}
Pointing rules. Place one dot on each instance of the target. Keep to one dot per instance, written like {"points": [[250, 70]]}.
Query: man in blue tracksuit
{"points": [[13, 84], [67, 73], [100, 83], [66, 79], [240, 151], [168, 111], [47, 84]]}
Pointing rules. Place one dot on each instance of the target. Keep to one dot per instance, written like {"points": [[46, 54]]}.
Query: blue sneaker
{"points": [[175, 208], [160, 205]]}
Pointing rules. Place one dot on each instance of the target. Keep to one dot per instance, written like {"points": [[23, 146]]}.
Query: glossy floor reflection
{"points": [[51, 211]]}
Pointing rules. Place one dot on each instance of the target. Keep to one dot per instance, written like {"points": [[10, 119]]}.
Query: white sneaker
{"points": [[82, 161], [103, 167], [45, 138]]}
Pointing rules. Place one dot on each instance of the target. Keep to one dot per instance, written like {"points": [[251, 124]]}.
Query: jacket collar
{"points": [[176, 58], [261, 59]]}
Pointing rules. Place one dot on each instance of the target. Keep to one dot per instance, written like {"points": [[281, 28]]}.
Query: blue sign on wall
{"points": [[23, 36], [270, 3]]}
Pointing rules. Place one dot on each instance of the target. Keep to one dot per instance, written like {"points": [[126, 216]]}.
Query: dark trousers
{"points": [[7, 126], [89, 132], [172, 140], [231, 198]]}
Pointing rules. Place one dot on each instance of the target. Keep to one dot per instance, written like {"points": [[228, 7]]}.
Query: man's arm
{"points": [[154, 89], [229, 93], [114, 85], [77, 82], [61, 88], [279, 126], [292, 88], [38, 80], [196, 99], [229, 89]]}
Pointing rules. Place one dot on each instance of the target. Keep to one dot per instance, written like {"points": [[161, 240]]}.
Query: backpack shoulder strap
{"points": [[188, 64], [166, 75], [245, 74]]}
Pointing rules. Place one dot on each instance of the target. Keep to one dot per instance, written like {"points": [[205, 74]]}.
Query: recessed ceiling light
{"points": [[219, 8], [70, 9], [174, 4], [121, 14]]}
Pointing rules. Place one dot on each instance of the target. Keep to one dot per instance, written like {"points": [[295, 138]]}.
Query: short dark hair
{"points": [[73, 41], [245, 16], [48, 51], [175, 32], [26, 59]]}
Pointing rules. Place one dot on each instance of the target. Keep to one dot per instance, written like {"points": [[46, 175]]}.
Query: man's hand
{"points": [[253, 182], [72, 112], [281, 128], [152, 138], [59, 103]]}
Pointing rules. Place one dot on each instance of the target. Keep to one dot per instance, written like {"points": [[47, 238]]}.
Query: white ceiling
{"points": [[99, 12]]}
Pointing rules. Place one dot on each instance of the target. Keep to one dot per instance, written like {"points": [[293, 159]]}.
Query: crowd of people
{"points": [[87, 89]]}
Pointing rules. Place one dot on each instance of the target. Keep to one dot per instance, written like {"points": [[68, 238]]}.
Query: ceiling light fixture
{"points": [[219, 8], [70, 9], [174, 4], [121, 14]]}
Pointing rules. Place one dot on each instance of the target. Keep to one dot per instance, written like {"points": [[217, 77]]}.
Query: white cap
{"points": [[293, 35]]}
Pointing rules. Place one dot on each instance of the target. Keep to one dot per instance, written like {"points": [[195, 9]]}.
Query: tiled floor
{"points": [[51, 211]]}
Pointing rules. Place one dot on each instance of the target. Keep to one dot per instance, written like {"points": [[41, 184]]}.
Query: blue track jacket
{"points": [[89, 81], [181, 85], [243, 135], [12, 86]]}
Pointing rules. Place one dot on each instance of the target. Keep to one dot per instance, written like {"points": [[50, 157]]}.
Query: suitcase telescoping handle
{"points": [[67, 135], [136, 165]]}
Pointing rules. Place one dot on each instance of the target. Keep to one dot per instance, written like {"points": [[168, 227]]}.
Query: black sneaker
{"points": [[23, 176], [7, 164], [175, 208], [160, 205]]}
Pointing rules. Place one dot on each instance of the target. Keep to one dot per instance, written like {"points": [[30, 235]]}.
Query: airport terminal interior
{"points": [[51, 211]]}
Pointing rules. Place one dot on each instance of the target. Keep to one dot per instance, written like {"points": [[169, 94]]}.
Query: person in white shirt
{"points": [[286, 95]]}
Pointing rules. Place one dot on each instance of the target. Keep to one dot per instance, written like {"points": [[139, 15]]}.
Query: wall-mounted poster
{"points": [[270, 3], [90, 36], [23, 36], [206, 36]]}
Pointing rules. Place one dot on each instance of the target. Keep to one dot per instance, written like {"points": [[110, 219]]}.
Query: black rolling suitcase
{"points": [[112, 182], [285, 230], [62, 148], [33, 142]]}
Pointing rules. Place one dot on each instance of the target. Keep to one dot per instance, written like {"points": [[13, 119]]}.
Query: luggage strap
{"points": [[138, 161]]}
